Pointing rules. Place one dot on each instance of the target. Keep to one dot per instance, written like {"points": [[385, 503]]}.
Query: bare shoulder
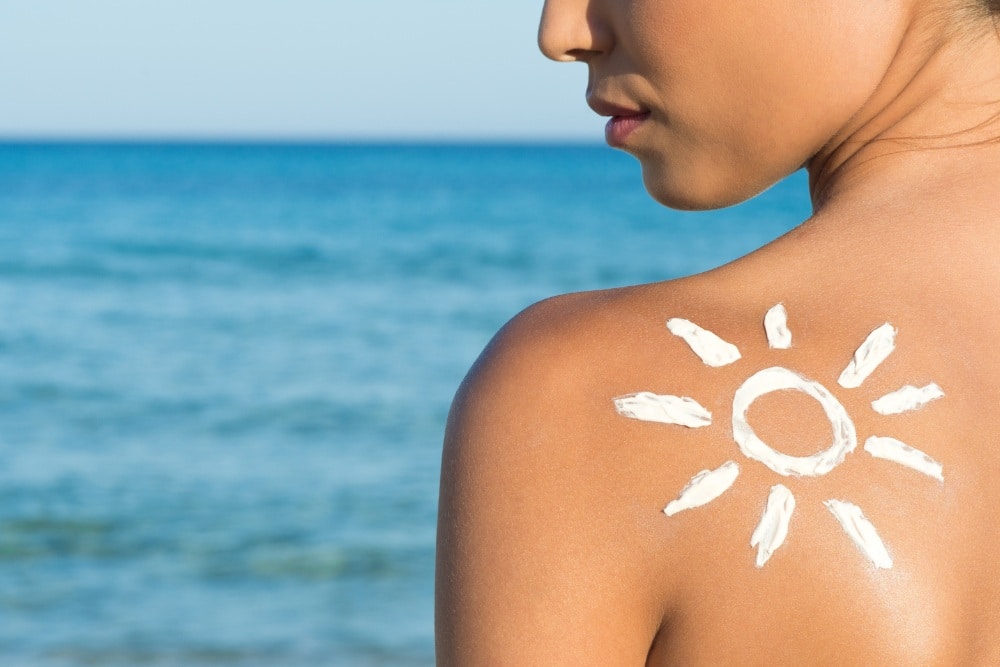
{"points": [[600, 503], [535, 564], [549, 521]]}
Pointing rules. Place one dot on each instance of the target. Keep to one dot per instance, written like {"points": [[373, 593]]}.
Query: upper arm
{"points": [[539, 546]]}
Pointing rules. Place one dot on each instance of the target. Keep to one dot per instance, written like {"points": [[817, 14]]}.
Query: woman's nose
{"points": [[569, 31]]}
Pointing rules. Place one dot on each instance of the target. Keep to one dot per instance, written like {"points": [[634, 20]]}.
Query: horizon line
{"points": [[278, 140]]}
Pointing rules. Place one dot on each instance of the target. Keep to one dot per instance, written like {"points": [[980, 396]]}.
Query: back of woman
{"points": [[792, 458]]}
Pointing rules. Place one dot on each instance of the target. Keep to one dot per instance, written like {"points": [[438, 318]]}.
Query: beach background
{"points": [[225, 372], [226, 358]]}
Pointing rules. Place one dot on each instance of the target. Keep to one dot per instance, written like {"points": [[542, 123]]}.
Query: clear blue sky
{"points": [[335, 69]]}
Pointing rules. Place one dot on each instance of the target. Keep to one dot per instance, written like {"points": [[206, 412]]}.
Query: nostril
{"points": [[582, 55], [554, 45], [561, 51]]}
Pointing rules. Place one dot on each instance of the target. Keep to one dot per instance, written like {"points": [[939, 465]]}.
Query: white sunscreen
{"points": [[704, 487], [901, 453], [665, 409], [774, 379], [906, 399], [710, 348], [860, 529], [773, 527], [708, 485], [876, 349], [779, 336]]}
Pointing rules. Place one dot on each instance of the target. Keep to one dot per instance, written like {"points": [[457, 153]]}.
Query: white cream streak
{"points": [[891, 449], [906, 399], [860, 529], [779, 336], [876, 349], [710, 348], [704, 487], [774, 379], [773, 527], [664, 409]]}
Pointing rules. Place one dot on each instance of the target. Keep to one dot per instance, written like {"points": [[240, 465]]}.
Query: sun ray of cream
{"points": [[899, 452], [709, 347], [779, 336], [663, 408], [876, 349], [773, 527], [704, 487], [861, 531], [907, 398]]}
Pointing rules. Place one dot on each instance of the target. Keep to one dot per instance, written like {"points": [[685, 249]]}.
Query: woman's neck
{"points": [[936, 112]]}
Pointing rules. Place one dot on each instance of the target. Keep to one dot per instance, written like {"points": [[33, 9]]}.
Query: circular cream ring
{"points": [[764, 382]]}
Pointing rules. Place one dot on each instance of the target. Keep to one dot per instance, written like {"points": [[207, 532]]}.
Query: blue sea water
{"points": [[225, 371]]}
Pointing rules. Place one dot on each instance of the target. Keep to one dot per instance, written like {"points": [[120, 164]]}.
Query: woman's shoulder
{"points": [[598, 458], [548, 510], [556, 367]]}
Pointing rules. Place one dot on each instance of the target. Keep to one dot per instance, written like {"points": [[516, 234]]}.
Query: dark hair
{"points": [[992, 6]]}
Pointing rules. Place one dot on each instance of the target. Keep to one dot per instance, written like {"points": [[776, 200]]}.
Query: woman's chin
{"points": [[686, 194], [685, 190]]}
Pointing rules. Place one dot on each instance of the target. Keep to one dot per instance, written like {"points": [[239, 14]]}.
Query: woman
{"points": [[654, 475]]}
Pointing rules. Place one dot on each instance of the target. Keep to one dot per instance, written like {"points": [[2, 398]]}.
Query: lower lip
{"points": [[618, 129]]}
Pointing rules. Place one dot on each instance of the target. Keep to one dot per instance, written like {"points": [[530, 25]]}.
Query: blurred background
{"points": [[247, 252]]}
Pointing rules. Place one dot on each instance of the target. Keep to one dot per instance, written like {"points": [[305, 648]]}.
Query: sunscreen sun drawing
{"points": [[708, 485]]}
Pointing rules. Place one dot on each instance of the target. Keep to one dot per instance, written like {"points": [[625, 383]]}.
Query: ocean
{"points": [[225, 371]]}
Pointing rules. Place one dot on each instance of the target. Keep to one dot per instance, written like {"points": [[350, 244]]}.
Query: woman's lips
{"points": [[618, 129]]}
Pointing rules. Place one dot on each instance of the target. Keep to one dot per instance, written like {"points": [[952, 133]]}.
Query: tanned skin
{"points": [[553, 548]]}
